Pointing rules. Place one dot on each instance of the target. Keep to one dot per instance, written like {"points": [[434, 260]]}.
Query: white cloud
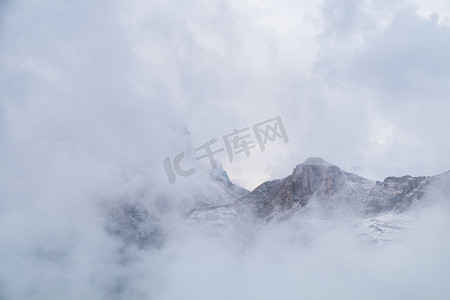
{"points": [[94, 95]]}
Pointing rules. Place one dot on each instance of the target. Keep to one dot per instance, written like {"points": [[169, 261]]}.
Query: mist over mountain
{"points": [[319, 212], [316, 190], [104, 193]]}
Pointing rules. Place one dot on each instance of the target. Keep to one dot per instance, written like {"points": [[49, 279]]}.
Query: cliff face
{"points": [[314, 182]]}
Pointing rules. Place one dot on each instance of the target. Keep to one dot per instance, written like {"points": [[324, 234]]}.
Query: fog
{"points": [[279, 263], [95, 94], [310, 258]]}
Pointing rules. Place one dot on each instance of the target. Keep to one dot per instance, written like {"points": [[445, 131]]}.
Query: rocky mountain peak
{"points": [[317, 161], [318, 176], [313, 179]]}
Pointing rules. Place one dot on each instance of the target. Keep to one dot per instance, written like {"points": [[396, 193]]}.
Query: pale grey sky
{"points": [[95, 94]]}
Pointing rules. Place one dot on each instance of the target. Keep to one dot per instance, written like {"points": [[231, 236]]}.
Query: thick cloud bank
{"points": [[95, 94]]}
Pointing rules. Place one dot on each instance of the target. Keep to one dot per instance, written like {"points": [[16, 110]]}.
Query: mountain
{"points": [[314, 182], [323, 189], [315, 191]]}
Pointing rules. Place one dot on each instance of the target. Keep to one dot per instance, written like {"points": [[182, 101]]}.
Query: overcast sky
{"points": [[95, 95], [363, 84]]}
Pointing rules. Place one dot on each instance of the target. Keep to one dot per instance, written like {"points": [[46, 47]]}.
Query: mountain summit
{"points": [[316, 161], [313, 182]]}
